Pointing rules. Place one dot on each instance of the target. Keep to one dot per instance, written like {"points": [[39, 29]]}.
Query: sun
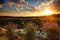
{"points": [[48, 12]]}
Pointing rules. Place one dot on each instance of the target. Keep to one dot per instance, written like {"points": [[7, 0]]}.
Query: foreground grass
{"points": [[3, 38]]}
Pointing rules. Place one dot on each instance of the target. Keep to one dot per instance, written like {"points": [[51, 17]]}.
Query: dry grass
{"points": [[3, 38]]}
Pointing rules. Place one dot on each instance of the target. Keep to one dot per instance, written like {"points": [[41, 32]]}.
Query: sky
{"points": [[20, 5]]}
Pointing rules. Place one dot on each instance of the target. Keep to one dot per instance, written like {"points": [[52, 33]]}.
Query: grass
{"points": [[3, 38]]}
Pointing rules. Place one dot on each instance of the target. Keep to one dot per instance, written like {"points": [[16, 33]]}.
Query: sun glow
{"points": [[48, 12]]}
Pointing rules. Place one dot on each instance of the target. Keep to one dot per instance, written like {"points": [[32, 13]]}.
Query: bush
{"points": [[31, 28], [53, 34]]}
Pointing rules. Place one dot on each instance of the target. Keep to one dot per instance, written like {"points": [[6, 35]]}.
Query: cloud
{"points": [[56, 5], [1, 5], [17, 9], [10, 3], [32, 9], [22, 3], [18, 3]]}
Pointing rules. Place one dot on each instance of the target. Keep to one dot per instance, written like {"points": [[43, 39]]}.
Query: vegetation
{"points": [[53, 34], [31, 28]]}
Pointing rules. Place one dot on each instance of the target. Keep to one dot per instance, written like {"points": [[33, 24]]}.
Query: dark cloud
{"points": [[56, 5], [15, 1], [1, 1]]}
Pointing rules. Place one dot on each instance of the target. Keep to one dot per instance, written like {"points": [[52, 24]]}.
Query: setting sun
{"points": [[48, 12]]}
